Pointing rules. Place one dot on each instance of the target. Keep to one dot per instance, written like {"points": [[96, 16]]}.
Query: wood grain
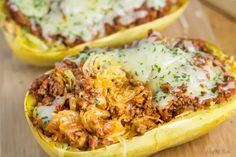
{"points": [[227, 7], [16, 77], [223, 27]]}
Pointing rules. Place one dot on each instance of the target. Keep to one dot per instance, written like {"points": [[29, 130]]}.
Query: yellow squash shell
{"points": [[35, 51], [183, 128]]}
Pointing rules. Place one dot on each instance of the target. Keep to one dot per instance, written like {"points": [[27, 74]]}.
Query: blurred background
{"points": [[222, 18], [213, 20]]}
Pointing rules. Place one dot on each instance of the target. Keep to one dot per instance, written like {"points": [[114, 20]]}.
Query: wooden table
{"points": [[16, 77]]}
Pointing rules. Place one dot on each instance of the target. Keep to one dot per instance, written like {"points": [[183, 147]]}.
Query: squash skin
{"points": [[35, 51], [178, 131]]}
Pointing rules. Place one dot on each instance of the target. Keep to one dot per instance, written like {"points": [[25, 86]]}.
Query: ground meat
{"points": [[92, 141], [92, 122], [96, 122], [185, 44], [142, 125], [182, 88], [166, 88], [152, 14], [199, 61]]}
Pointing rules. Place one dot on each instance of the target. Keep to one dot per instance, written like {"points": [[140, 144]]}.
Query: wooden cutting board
{"points": [[226, 6], [16, 77]]}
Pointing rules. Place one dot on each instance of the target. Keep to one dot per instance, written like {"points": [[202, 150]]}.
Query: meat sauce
{"points": [[86, 114], [116, 25]]}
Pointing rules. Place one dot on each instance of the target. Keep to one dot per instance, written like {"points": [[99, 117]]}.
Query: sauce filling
{"points": [[76, 21], [103, 96]]}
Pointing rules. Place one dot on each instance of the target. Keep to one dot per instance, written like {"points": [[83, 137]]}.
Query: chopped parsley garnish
{"points": [[156, 68], [45, 117], [96, 101]]}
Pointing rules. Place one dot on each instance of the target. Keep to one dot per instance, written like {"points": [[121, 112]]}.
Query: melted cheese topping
{"points": [[80, 18], [152, 62], [45, 113]]}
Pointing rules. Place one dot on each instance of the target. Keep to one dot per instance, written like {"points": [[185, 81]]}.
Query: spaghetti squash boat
{"points": [[43, 32], [132, 101]]}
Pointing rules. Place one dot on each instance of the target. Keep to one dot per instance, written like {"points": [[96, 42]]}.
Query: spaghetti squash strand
{"points": [[101, 103]]}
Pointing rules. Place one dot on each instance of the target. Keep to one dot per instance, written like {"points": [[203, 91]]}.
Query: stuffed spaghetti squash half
{"points": [[133, 101], [43, 32]]}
